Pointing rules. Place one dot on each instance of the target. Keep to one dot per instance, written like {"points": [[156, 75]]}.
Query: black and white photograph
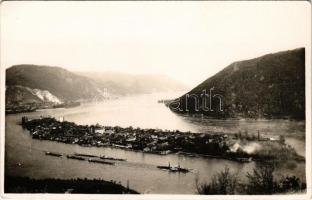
{"points": [[155, 99]]}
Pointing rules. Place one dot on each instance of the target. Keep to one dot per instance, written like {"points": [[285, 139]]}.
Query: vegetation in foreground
{"points": [[78, 186], [260, 182]]}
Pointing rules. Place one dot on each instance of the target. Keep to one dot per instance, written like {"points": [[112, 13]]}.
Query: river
{"points": [[25, 156]]}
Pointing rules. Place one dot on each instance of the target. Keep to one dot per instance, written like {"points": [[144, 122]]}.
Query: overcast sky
{"points": [[188, 41]]}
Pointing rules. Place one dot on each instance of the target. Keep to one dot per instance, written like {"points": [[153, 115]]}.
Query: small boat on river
{"points": [[85, 155], [48, 153], [174, 168], [111, 158], [100, 161], [75, 157]]}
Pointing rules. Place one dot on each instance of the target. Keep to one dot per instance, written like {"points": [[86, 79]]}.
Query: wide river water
{"points": [[25, 156]]}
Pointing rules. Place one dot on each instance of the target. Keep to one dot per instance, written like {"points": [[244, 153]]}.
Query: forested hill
{"points": [[270, 86]]}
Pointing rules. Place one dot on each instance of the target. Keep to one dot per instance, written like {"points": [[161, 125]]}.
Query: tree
{"points": [[224, 182], [261, 180]]}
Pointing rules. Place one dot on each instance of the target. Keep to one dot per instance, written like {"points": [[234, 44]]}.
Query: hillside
{"points": [[271, 86], [42, 83], [33, 84], [19, 94], [130, 84]]}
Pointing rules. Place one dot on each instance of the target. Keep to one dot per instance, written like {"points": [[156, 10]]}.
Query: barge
{"points": [[111, 158], [100, 161], [48, 153], [85, 155], [75, 157]]}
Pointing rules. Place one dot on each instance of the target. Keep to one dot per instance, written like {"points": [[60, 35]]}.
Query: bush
{"points": [[290, 184], [261, 181], [224, 182]]}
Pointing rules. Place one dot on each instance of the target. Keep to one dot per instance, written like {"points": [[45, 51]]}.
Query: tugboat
{"points": [[48, 153], [174, 169], [100, 161], [164, 167]]}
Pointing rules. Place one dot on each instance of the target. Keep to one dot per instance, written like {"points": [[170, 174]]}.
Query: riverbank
{"points": [[78, 186], [32, 107], [241, 147]]}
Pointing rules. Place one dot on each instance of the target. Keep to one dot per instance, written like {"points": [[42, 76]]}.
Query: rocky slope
{"points": [[31, 83]]}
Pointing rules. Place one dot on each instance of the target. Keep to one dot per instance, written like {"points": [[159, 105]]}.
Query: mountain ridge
{"points": [[51, 84], [60, 82], [272, 85], [129, 84]]}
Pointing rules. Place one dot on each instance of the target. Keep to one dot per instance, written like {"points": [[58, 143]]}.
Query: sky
{"points": [[189, 41]]}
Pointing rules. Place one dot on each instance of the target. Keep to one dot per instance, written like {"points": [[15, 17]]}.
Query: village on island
{"points": [[240, 147]]}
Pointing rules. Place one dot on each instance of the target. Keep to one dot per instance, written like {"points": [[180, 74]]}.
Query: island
{"points": [[241, 147]]}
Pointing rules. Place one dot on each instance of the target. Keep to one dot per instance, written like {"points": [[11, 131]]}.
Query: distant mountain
{"points": [[32, 83], [271, 86], [129, 84], [54, 85]]}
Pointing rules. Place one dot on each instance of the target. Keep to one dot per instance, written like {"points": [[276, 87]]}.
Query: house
{"points": [[147, 149], [131, 139], [109, 131], [99, 131]]}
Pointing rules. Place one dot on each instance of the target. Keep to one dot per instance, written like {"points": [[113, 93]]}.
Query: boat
{"points": [[75, 157], [111, 158], [53, 154], [164, 167], [85, 155], [173, 168], [179, 169], [100, 161]]}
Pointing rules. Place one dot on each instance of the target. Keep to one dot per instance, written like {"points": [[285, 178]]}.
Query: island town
{"points": [[241, 146]]}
